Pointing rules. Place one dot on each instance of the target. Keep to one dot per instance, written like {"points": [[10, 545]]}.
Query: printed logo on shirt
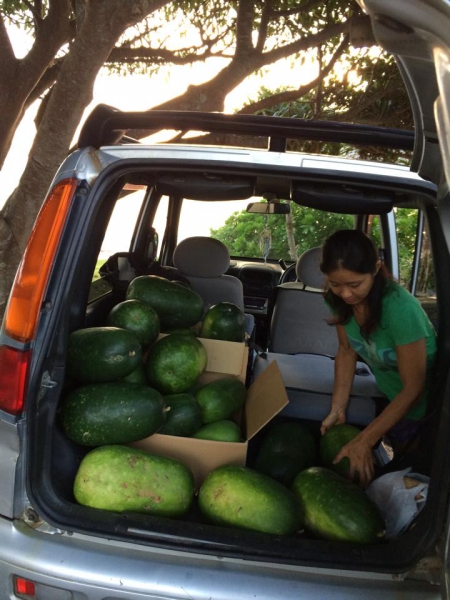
{"points": [[383, 358]]}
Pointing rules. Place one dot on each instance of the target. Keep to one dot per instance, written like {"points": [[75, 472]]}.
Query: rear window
{"points": [[249, 235]]}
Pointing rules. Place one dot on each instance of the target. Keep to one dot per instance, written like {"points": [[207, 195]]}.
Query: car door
{"points": [[418, 34]]}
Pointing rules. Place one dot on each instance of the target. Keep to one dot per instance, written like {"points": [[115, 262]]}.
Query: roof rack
{"points": [[107, 125]]}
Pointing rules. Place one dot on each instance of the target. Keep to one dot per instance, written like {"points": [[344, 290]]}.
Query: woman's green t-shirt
{"points": [[403, 321]]}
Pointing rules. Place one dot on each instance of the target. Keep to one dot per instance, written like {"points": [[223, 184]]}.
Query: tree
{"points": [[91, 30], [74, 38], [377, 98], [241, 231]]}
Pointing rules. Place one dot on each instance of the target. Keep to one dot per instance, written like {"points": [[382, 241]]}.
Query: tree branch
{"points": [[159, 55], [45, 83], [37, 16], [122, 15], [303, 8], [54, 31], [7, 55], [349, 115], [291, 95], [311, 41], [244, 28], [264, 24]]}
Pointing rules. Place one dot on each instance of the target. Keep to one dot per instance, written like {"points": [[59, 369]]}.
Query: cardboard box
{"points": [[265, 398], [225, 359]]}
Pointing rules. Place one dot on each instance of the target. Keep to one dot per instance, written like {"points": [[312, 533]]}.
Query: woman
{"points": [[383, 323]]}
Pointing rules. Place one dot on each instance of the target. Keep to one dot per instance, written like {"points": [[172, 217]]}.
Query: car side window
{"points": [[117, 238], [416, 260], [416, 267]]}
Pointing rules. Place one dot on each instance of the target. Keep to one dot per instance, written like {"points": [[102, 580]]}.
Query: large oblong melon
{"points": [[111, 413], [118, 478], [175, 304], [101, 354], [241, 497], [334, 508]]}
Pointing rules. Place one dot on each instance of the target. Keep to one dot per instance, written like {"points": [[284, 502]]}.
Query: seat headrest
{"points": [[308, 269], [201, 257]]}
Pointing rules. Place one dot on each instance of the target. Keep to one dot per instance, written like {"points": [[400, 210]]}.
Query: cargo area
{"points": [[54, 459]]}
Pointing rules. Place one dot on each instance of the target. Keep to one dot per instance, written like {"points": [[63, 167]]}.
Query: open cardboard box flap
{"points": [[265, 398], [224, 358]]}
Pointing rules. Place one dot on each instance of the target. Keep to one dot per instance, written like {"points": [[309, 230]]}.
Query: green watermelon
{"points": [[331, 443], [286, 449], [101, 354], [137, 376], [137, 317], [221, 398], [184, 415], [241, 497], [122, 479], [175, 362], [334, 508], [111, 413], [220, 431], [224, 321], [176, 305]]}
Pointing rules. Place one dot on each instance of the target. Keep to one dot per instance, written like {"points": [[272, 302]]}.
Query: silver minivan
{"points": [[115, 206]]}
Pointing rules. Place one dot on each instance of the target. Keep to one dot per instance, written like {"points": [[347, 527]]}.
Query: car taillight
{"points": [[24, 588], [25, 301], [27, 293], [13, 376]]}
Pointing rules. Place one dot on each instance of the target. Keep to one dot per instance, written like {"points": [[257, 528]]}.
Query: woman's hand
{"points": [[335, 417], [359, 453], [344, 373]]}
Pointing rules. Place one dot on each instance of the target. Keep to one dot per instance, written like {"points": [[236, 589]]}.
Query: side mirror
{"points": [[269, 208]]}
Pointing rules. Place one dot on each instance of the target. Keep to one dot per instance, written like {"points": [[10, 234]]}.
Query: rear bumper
{"points": [[80, 568]]}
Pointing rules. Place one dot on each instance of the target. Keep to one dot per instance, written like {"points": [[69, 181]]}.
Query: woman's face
{"points": [[350, 286]]}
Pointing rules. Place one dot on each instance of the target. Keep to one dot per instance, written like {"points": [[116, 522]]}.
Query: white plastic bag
{"points": [[399, 497]]}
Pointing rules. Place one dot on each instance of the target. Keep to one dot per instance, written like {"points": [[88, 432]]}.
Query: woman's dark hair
{"points": [[353, 250]]}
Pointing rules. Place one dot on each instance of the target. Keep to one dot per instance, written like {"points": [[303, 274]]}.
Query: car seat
{"points": [[203, 261], [304, 345], [299, 318]]}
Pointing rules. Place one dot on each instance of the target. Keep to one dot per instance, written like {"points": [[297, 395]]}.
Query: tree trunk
{"points": [[104, 23], [19, 77], [290, 232]]}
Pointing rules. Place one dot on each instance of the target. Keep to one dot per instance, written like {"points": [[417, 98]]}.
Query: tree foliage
{"points": [[377, 97], [74, 39], [241, 234], [241, 231]]}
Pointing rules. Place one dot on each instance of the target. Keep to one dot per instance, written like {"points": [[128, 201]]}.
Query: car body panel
{"points": [[10, 452], [128, 571]]}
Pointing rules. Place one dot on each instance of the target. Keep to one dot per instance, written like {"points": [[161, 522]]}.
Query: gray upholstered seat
{"points": [[304, 345], [309, 379], [299, 320], [204, 262]]}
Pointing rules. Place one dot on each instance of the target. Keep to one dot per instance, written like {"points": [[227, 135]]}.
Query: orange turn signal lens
{"points": [[27, 293]]}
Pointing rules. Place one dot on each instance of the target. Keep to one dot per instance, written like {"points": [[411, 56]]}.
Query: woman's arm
{"points": [[344, 373], [412, 361]]}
